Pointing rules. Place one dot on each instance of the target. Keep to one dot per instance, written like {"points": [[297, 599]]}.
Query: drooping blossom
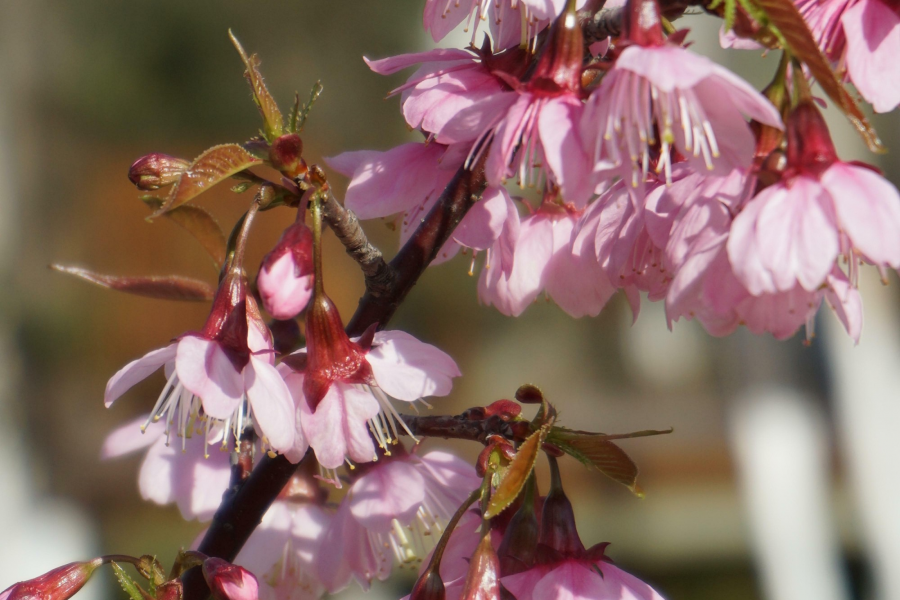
{"points": [[531, 132], [390, 513], [794, 231], [863, 36], [342, 387], [544, 259], [285, 276], [659, 97], [223, 375], [60, 583], [563, 569], [283, 548], [228, 581], [180, 473]]}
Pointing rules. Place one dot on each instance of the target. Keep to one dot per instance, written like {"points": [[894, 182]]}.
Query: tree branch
{"points": [[379, 275]]}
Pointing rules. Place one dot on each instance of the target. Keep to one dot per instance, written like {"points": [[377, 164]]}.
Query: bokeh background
{"points": [[779, 481]]}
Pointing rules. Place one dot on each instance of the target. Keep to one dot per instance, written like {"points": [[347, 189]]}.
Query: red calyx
{"points": [[227, 321], [809, 145], [643, 23], [429, 586], [558, 530], [560, 65], [331, 355]]}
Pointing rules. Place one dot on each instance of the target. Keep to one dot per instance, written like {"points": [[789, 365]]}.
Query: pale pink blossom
{"points": [[181, 473], [337, 414], [668, 96], [544, 260], [283, 548], [285, 278], [227, 581], [864, 37], [578, 579], [220, 375], [389, 513]]}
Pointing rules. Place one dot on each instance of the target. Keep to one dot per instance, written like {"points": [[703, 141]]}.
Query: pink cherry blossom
{"points": [[337, 426], [182, 473], [216, 375], [388, 514], [227, 581], [864, 36], [697, 106], [283, 548], [578, 579], [545, 260], [285, 276]]}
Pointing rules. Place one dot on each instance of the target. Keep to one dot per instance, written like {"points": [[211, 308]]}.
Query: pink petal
{"points": [[394, 490], [338, 426], [135, 371], [846, 302], [408, 369], [207, 372], [484, 222], [441, 17], [392, 64], [564, 151], [451, 474], [128, 438], [868, 210], [668, 67], [471, 122], [872, 29], [348, 162], [271, 403]]}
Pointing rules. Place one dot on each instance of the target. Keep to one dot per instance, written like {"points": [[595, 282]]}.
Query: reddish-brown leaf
{"points": [[200, 224], [168, 287], [790, 27], [513, 480], [213, 166], [268, 108]]}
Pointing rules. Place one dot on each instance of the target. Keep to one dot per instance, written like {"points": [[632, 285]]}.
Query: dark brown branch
{"points": [[379, 275], [457, 427], [242, 507]]}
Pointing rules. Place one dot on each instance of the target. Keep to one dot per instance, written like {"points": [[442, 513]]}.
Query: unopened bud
{"points": [[286, 155], [229, 582], [483, 577], [429, 586], [156, 170], [285, 279], [59, 584]]}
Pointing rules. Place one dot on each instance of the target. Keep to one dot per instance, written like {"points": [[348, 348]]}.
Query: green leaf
{"points": [[213, 166], [268, 108], [152, 570], [197, 222], [134, 591], [516, 475], [298, 117], [169, 287], [785, 21]]}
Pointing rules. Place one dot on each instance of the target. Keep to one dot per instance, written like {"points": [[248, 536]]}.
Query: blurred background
{"points": [[779, 481]]}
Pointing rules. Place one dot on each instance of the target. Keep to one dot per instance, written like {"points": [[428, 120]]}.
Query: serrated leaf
{"points": [[200, 224], [298, 118], [516, 476], [268, 108], [167, 287], [131, 588], [786, 22], [213, 166]]}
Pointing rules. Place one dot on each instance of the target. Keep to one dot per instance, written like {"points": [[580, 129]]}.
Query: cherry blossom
{"points": [[285, 275], [227, 581]]}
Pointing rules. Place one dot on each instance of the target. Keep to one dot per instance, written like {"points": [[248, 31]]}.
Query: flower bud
{"points": [[59, 584], [483, 577], [156, 170], [229, 582], [285, 279], [286, 155]]}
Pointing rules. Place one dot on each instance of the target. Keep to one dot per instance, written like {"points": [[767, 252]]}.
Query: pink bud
{"points": [[228, 581], [156, 170], [59, 584], [286, 155], [285, 279]]}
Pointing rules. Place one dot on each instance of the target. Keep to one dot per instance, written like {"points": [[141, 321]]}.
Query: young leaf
{"points": [[597, 451], [131, 588], [268, 108], [298, 115], [786, 22], [213, 166], [197, 222], [170, 287], [516, 475]]}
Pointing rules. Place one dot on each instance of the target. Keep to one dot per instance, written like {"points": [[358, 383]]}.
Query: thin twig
{"points": [[379, 274]]}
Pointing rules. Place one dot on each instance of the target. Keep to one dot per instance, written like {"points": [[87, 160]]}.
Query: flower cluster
{"points": [[653, 170]]}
